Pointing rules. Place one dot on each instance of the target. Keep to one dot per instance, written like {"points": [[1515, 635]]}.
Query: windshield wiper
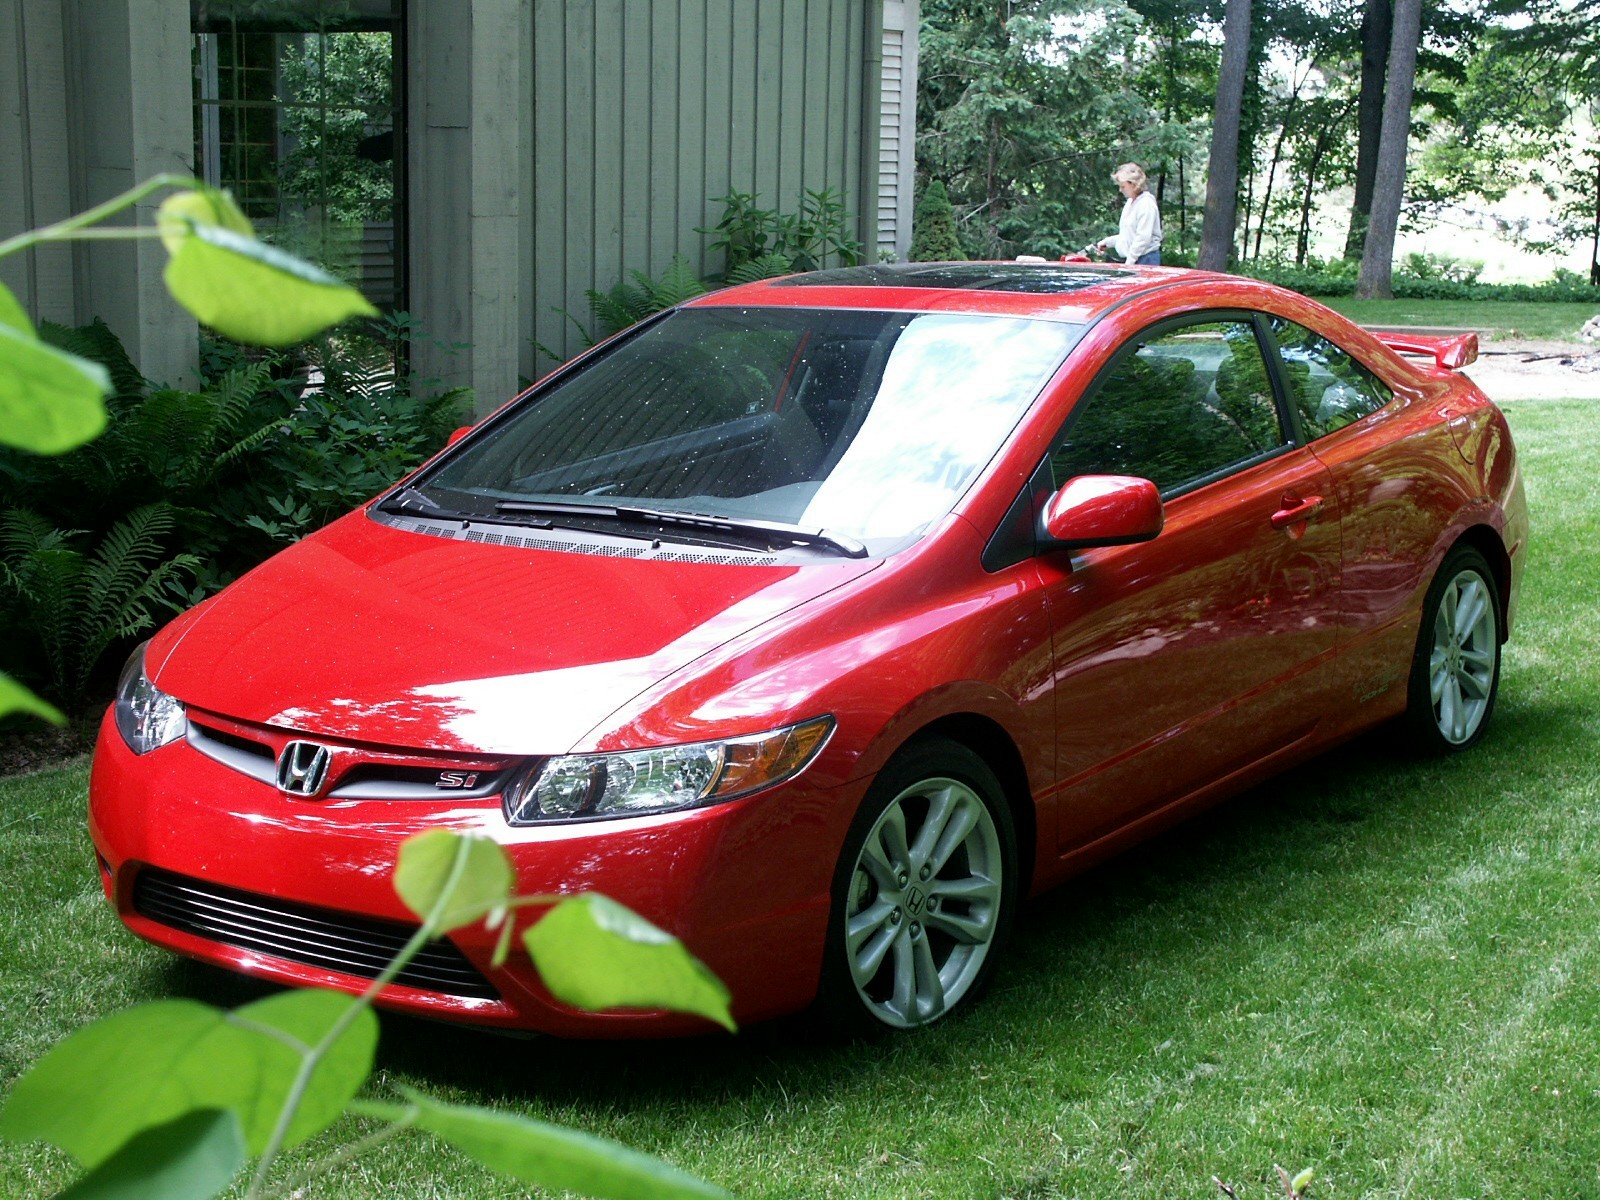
{"points": [[411, 500], [775, 533]]}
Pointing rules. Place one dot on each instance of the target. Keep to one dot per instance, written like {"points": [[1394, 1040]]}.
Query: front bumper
{"points": [[745, 885]]}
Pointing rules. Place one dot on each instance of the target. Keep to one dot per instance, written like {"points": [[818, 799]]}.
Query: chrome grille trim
{"points": [[303, 933]]}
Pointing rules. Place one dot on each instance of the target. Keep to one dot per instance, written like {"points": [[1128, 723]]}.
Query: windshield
{"points": [[868, 425]]}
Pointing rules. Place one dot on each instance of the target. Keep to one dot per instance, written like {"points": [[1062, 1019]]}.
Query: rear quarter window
{"points": [[1328, 388]]}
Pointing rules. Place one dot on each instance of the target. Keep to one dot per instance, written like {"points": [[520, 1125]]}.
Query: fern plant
{"points": [[78, 604], [628, 303]]}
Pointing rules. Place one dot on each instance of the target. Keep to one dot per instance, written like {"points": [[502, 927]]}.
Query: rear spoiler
{"points": [[1452, 352]]}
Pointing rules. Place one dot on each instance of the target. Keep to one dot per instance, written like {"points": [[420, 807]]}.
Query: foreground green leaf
{"points": [[50, 401], [307, 1015], [469, 875], [192, 1158], [548, 1155], [595, 954], [16, 698], [12, 313], [174, 1057], [254, 293], [202, 206]]}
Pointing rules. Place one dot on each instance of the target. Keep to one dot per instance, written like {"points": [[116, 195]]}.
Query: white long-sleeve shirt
{"points": [[1139, 231]]}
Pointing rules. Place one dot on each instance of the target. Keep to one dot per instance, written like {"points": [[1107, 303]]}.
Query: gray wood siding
{"points": [[35, 185], [897, 115], [642, 112]]}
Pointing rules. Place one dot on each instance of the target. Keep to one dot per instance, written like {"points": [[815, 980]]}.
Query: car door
{"points": [[1184, 660], [1382, 458]]}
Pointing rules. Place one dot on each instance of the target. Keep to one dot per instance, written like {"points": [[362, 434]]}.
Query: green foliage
{"points": [[1331, 279], [1442, 266], [1025, 109], [593, 953], [191, 1157], [451, 882], [550, 1155], [198, 1088], [768, 266], [250, 291], [806, 239], [173, 1057], [343, 91], [627, 303], [255, 459], [76, 601], [933, 237]]}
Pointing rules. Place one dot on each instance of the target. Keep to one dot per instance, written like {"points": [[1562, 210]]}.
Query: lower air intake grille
{"points": [[318, 937]]}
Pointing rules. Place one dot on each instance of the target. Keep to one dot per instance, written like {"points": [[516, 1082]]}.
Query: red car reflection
{"points": [[820, 620]]}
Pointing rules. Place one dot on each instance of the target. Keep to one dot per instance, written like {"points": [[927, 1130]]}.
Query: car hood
{"points": [[378, 635]]}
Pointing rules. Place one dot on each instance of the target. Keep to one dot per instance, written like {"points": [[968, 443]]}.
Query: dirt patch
{"points": [[1518, 370], [32, 746]]}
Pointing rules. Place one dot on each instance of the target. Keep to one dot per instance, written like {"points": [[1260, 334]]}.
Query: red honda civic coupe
{"points": [[820, 620]]}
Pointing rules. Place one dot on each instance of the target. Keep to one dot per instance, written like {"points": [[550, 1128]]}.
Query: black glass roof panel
{"points": [[1045, 279]]}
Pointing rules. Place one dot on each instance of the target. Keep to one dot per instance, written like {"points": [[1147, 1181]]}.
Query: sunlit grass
{"points": [[1379, 967], [1504, 319]]}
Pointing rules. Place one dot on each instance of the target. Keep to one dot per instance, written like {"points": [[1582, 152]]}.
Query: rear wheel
{"points": [[923, 893], [1455, 673]]}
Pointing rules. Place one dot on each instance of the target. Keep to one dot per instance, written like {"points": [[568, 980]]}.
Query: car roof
{"points": [[1059, 290]]}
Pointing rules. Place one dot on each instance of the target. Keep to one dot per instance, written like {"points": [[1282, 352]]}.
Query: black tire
{"points": [[931, 914], [1455, 670]]}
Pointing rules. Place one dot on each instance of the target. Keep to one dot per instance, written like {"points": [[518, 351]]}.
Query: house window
{"points": [[299, 113]]}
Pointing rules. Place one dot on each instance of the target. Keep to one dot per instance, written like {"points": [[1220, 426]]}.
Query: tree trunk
{"points": [[1377, 258], [1594, 252], [1277, 157], [1222, 175], [1377, 22], [1183, 210], [1324, 139]]}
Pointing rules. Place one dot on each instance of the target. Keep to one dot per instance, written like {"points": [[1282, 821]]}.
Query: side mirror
{"points": [[1103, 510], [457, 434]]}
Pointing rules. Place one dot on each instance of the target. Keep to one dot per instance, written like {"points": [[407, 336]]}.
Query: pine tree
{"points": [[933, 237]]}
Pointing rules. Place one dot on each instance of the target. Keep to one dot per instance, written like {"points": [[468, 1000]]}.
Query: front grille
{"points": [[317, 937]]}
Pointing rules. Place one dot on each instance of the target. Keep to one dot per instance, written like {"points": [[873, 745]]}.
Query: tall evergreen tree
{"points": [[933, 227]]}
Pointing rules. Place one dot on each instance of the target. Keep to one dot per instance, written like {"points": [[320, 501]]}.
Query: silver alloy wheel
{"points": [[1461, 664], [924, 903]]}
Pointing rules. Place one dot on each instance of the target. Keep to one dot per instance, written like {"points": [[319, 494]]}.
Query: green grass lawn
{"points": [[1382, 968], [1504, 318]]}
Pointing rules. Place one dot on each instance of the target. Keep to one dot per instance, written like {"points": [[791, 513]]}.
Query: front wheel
{"points": [[923, 893], [1455, 673]]}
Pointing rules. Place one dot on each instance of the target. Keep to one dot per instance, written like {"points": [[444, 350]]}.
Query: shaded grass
{"points": [[1504, 318], [1377, 966]]}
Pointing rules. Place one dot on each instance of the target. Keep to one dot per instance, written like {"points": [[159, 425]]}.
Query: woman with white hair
{"points": [[1138, 238]]}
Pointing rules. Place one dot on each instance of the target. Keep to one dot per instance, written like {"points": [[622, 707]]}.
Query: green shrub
{"points": [[77, 602], [1335, 279], [933, 228], [273, 445], [1443, 266], [820, 230]]}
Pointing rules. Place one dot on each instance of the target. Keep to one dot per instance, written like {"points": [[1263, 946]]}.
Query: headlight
{"points": [[581, 787], [146, 717]]}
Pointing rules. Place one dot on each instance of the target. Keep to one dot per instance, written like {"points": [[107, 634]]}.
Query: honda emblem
{"points": [[302, 768]]}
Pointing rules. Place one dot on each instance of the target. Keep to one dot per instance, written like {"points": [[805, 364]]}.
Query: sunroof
{"points": [[1041, 278]]}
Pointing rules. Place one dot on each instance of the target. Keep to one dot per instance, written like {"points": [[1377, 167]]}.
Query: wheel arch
{"points": [[989, 741], [1486, 540]]}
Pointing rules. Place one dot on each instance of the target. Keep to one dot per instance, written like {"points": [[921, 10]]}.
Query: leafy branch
{"points": [[202, 1090], [52, 400]]}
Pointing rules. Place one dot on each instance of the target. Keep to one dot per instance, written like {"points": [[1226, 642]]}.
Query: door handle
{"points": [[1294, 510]]}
